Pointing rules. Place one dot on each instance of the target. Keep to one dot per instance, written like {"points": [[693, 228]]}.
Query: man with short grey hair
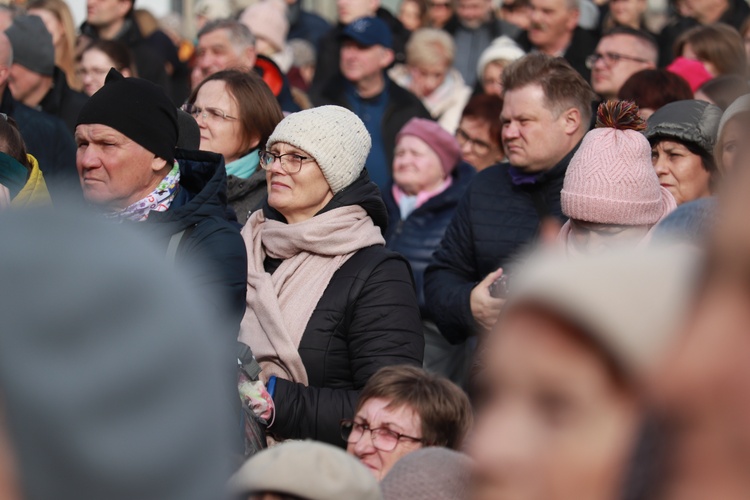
{"points": [[229, 44], [554, 31]]}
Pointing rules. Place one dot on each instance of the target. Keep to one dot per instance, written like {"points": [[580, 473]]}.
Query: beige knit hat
{"points": [[629, 302], [306, 469], [334, 136]]}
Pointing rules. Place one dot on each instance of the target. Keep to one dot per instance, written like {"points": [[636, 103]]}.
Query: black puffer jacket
{"points": [[367, 318], [493, 222]]}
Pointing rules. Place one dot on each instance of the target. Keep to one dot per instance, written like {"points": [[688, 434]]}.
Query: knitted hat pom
{"points": [[620, 115]]}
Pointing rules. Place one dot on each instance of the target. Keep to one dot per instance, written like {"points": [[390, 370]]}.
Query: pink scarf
{"points": [[279, 306]]}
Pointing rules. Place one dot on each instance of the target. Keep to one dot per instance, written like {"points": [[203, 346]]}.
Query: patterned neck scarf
{"points": [[158, 201]]}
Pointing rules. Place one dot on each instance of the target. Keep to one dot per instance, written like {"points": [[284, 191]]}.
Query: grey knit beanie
{"points": [[334, 136], [429, 474], [32, 44]]}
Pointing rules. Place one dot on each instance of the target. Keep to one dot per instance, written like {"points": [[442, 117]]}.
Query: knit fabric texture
{"points": [[307, 469], [437, 138], [136, 108], [610, 180], [501, 49], [334, 136], [32, 44], [691, 121], [429, 474]]}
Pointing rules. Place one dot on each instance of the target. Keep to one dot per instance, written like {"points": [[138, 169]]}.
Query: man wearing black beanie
{"points": [[129, 170]]}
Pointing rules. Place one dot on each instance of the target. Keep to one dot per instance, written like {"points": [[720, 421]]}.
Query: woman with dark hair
{"points": [[651, 89], [97, 58], [413, 14], [21, 181], [236, 113], [682, 135], [479, 131]]}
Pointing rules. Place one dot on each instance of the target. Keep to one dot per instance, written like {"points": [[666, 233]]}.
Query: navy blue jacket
{"points": [[417, 236], [213, 247], [51, 143], [62, 101], [494, 221]]}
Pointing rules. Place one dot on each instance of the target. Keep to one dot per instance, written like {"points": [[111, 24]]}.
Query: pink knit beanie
{"points": [[610, 179], [267, 19], [439, 140]]}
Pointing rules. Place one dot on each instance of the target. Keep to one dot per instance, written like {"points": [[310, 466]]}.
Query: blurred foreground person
{"points": [[95, 397], [304, 470], [682, 136], [611, 193], [732, 136], [560, 382], [703, 387], [402, 409], [431, 473], [130, 172]]}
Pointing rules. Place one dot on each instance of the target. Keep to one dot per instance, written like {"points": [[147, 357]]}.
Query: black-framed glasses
{"points": [[610, 59], [382, 438], [290, 162], [479, 147], [207, 113]]}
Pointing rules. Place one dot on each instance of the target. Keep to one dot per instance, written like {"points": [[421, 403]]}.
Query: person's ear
{"points": [[573, 17], [158, 164], [571, 120], [386, 57]]}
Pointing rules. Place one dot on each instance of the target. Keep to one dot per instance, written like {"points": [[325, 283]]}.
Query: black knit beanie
{"points": [[137, 108]]}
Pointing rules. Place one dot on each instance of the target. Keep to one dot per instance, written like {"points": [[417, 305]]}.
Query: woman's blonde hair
{"points": [[430, 46]]}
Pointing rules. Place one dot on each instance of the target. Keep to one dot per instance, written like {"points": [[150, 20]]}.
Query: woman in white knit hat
{"points": [[327, 304]]}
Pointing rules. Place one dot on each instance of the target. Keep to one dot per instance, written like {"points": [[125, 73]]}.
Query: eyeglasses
{"points": [[610, 59], [382, 438], [290, 162], [480, 148], [214, 114]]}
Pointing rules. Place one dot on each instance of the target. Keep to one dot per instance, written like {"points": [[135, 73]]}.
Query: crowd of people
{"points": [[464, 250]]}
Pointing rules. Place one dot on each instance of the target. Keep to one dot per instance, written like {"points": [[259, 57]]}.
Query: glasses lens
{"points": [[346, 429], [384, 440], [191, 109], [266, 159]]}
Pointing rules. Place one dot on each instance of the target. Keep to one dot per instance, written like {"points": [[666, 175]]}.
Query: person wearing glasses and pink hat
{"points": [[327, 304]]}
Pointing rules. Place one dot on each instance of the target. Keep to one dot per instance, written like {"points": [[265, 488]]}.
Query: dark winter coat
{"points": [[329, 51], [494, 220], [212, 246], [402, 106], [582, 45], [306, 25], [419, 235], [148, 63], [62, 101], [367, 318], [51, 143], [246, 195]]}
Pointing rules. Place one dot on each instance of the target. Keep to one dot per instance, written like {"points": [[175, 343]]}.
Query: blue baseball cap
{"points": [[369, 31]]}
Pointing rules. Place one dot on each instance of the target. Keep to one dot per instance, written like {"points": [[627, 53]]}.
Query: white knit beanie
{"points": [[501, 49], [334, 136]]}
